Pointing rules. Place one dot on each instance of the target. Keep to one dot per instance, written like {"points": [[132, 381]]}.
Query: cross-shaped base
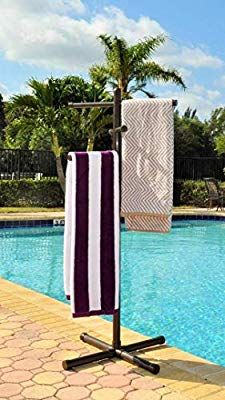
{"points": [[108, 351]]}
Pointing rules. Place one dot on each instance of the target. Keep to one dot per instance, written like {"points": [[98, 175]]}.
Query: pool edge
{"points": [[30, 221]]}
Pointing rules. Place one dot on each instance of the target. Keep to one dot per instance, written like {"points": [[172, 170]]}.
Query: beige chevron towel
{"points": [[147, 164]]}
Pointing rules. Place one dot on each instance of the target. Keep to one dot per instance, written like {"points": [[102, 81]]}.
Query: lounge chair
{"points": [[215, 194]]}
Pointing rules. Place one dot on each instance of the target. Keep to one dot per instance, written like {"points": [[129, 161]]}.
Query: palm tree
{"points": [[130, 67], [41, 120]]}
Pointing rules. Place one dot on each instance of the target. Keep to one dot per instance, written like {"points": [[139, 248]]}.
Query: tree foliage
{"points": [[216, 129], [192, 137], [130, 67], [43, 120]]}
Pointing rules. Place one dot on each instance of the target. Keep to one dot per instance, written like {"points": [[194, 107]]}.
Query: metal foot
{"points": [[76, 362], [145, 344]]}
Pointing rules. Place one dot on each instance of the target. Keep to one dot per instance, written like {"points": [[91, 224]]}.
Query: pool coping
{"points": [[30, 221], [183, 375]]}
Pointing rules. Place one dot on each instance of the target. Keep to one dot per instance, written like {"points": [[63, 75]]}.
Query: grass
{"points": [[8, 210]]}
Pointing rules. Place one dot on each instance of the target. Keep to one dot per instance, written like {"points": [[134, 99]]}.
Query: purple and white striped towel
{"points": [[92, 229]]}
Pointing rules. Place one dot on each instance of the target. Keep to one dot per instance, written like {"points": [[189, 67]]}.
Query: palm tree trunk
{"points": [[90, 145], [122, 84], [57, 151], [60, 173]]}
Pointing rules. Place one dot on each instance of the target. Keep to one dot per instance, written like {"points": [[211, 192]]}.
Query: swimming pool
{"points": [[172, 284]]}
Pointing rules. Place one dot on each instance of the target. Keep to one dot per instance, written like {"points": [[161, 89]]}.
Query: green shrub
{"points": [[48, 193], [191, 193], [28, 192]]}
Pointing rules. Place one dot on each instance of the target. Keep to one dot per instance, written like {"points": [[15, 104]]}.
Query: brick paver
{"points": [[70, 393], [113, 381], [32, 347], [17, 376]]}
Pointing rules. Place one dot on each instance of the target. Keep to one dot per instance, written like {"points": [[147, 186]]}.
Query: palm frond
{"points": [[43, 91], [141, 88], [20, 105], [153, 71], [144, 48], [107, 41], [21, 101], [116, 51], [148, 94], [119, 51], [99, 74]]}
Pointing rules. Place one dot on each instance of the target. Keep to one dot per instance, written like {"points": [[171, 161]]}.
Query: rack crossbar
{"points": [[100, 104]]}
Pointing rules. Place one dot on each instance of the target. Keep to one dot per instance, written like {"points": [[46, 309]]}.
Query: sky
{"points": [[40, 38]]}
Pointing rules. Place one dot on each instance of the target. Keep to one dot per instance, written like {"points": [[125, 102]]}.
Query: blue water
{"points": [[172, 284]]}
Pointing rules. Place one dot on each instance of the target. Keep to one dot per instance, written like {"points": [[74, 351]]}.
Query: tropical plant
{"points": [[190, 113], [43, 120], [130, 67], [191, 136], [215, 130]]}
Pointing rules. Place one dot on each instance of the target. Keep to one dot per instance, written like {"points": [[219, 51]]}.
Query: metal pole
{"points": [[116, 145]]}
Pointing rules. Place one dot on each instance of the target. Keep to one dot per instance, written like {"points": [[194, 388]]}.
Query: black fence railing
{"points": [[18, 164], [195, 168]]}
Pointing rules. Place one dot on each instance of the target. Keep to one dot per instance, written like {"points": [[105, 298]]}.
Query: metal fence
{"points": [[195, 168], [18, 164]]}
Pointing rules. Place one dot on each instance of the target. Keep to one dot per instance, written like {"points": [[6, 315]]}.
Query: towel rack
{"points": [[116, 349]]}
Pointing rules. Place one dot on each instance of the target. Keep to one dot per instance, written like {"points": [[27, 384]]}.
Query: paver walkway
{"points": [[29, 215], [37, 333]]}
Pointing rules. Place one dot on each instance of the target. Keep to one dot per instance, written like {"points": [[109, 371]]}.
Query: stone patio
{"points": [[37, 333]]}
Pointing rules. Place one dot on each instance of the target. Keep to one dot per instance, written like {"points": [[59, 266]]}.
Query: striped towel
{"points": [[147, 164], [92, 230]]}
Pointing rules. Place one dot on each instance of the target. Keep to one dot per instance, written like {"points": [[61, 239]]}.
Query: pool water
{"points": [[172, 284]]}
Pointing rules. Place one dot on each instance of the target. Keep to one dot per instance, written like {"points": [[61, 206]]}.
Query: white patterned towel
{"points": [[147, 164]]}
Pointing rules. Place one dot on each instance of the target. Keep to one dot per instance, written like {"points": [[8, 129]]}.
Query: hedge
{"points": [[28, 192], [191, 193], [47, 193]]}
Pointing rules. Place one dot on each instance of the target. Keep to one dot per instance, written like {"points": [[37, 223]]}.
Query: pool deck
{"points": [[37, 333], [29, 215], [198, 211]]}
